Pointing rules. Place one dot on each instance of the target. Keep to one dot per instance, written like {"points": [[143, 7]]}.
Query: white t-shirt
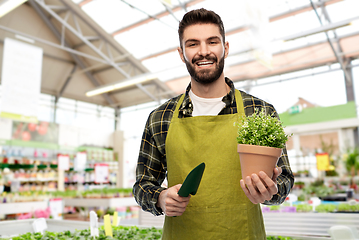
{"points": [[206, 106]]}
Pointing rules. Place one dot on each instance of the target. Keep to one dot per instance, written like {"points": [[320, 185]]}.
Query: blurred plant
{"points": [[352, 162], [299, 185], [347, 207], [317, 188], [274, 208], [304, 207], [325, 208]]}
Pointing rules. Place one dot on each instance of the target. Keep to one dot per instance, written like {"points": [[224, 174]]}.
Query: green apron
{"points": [[220, 209]]}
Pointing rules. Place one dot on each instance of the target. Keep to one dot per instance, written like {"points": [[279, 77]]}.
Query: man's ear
{"points": [[226, 49], [179, 49]]}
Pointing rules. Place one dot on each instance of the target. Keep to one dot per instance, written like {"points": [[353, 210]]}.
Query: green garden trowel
{"points": [[192, 181]]}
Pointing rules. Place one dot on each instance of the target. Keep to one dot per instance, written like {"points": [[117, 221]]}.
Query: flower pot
{"points": [[255, 158]]}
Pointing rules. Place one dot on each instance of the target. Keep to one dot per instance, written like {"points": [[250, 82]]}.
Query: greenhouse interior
{"points": [[76, 148]]}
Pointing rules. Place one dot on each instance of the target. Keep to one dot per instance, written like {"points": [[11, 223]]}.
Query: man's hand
{"points": [[171, 203], [259, 188]]}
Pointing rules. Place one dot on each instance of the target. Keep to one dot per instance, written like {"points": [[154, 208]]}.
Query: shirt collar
{"points": [[186, 108]]}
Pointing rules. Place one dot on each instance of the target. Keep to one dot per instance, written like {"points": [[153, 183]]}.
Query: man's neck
{"points": [[218, 88]]}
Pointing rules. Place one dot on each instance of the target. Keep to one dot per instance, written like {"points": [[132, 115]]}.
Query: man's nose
{"points": [[204, 49]]}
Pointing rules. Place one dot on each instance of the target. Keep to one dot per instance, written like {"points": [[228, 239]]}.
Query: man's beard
{"points": [[205, 76]]}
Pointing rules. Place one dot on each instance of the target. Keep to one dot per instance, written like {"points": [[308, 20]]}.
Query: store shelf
{"points": [[17, 227], [22, 207], [103, 202], [307, 225]]}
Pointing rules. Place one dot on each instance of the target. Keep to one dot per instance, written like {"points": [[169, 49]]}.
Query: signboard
{"points": [[20, 80], [38, 132], [80, 161], [63, 162], [56, 206], [101, 173], [322, 161], [295, 109]]}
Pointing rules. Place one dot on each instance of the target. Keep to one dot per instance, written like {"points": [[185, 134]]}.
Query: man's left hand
{"points": [[261, 187]]}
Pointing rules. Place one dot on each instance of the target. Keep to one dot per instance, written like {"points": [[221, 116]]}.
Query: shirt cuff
{"points": [[156, 210]]}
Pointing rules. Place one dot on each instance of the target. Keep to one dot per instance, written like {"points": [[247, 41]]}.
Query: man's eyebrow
{"points": [[196, 40], [214, 38], [191, 40]]}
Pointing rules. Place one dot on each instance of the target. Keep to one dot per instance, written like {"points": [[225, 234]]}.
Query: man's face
{"points": [[203, 52]]}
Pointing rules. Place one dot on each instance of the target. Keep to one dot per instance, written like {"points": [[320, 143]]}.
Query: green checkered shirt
{"points": [[152, 165]]}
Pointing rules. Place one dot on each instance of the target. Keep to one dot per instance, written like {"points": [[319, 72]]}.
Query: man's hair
{"points": [[199, 16]]}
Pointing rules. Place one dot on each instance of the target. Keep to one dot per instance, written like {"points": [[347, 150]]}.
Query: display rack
{"points": [[103, 202], [17, 227], [22, 207]]}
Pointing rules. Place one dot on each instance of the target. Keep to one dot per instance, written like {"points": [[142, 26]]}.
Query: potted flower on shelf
{"points": [[260, 139]]}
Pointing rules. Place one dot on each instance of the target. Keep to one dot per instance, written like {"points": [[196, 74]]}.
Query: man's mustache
{"points": [[207, 57]]}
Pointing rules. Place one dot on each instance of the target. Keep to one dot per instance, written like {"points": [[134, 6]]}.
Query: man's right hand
{"points": [[171, 203]]}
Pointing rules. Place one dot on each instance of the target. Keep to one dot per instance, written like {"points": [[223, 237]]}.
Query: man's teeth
{"points": [[205, 63]]}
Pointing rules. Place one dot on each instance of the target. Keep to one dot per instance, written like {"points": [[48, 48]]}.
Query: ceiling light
{"points": [[116, 86], [8, 5]]}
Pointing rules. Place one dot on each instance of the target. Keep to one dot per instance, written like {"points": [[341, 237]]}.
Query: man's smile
{"points": [[205, 63]]}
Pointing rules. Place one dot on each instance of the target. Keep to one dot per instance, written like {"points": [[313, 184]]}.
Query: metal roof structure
{"points": [[92, 43]]}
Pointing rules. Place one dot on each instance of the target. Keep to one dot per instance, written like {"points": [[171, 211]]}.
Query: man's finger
{"points": [[246, 192]]}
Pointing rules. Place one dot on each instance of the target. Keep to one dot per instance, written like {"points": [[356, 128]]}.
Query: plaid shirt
{"points": [[152, 165]]}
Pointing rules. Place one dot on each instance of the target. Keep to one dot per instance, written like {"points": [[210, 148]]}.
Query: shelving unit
{"points": [[103, 202], [9, 228], [22, 207]]}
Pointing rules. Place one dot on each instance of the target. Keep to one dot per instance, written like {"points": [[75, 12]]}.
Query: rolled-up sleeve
{"points": [[150, 170]]}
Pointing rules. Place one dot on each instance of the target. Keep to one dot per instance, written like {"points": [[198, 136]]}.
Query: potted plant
{"points": [[352, 164], [260, 139]]}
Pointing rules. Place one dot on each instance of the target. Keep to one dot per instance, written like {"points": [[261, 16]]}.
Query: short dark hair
{"points": [[200, 16]]}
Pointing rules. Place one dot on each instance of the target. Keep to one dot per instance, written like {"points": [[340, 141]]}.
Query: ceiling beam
{"points": [[48, 55], [157, 16], [57, 97], [78, 61], [348, 71], [64, 48], [78, 34], [302, 9], [109, 41], [243, 27], [323, 28], [339, 58]]}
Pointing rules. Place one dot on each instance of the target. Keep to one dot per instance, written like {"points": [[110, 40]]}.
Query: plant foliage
{"points": [[262, 129], [119, 232], [352, 160]]}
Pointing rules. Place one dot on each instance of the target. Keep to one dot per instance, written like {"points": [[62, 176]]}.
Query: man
{"points": [[196, 127]]}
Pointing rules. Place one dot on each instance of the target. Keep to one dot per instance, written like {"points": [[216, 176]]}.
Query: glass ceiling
{"points": [[154, 43]]}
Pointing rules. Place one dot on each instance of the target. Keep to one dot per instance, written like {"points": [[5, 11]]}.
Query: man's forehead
{"points": [[202, 30]]}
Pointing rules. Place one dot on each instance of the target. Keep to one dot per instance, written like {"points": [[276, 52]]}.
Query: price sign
{"points": [[80, 161], [56, 208], [63, 162], [322, 161], [101, 173]]}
